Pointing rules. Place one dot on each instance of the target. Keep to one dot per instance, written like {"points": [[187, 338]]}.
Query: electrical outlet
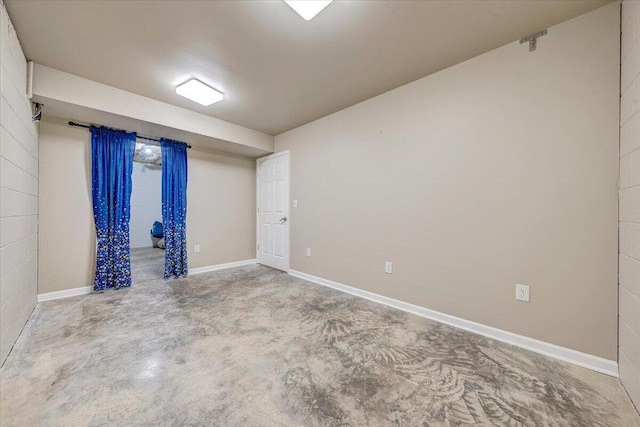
{"points": [[308, 251], [196, 248], [388, 267], [295, 203], [522, 293]]}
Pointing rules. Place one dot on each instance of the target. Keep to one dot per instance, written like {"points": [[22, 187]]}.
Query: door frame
{"points": [[286, 153]]}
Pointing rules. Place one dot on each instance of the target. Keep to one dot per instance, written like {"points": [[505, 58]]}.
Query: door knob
{"points": [[283, 219]]}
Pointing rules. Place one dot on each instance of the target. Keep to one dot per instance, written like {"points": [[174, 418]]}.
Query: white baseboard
{"points": [[88, 289], [599, 364], [221, 266], [65, 294]]}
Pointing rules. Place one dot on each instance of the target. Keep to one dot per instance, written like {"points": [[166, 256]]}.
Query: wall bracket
{"points": [[533, 39]]}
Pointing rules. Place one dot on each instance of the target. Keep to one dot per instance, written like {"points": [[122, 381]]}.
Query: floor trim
{"points": [[49, 296], [221, 266], [595, 363]]}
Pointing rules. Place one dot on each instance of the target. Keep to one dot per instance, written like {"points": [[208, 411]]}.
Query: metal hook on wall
{"points": [[533, 39]]}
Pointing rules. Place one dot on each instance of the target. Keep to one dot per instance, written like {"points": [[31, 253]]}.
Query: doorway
{"points": [[273, 211], [145, 242]]}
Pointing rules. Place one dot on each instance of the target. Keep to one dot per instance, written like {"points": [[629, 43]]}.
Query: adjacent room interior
{"points": [[146, 236], [320, 213]]}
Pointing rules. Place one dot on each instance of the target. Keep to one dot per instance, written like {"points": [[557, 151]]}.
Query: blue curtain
{"points": [[112, 163], [174, 207]]}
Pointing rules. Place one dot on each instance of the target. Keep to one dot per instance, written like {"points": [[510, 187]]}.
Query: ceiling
{"points": [[277, 70]]}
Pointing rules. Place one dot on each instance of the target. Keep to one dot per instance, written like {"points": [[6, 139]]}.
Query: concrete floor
{"points": [[253, 346]]}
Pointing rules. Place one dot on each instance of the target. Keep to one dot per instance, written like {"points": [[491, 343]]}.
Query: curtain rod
{"points": [[148, 138]]}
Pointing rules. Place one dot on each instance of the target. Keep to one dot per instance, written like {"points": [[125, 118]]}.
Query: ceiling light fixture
{"points": [[308, 8], [147, 150], [199, 92]]}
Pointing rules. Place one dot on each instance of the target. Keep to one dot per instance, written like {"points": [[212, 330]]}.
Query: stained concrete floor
{"points": [[253, 346]]}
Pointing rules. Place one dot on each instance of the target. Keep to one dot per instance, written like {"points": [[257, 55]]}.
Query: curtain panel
{"points": [[111, 167], [174, 207]]}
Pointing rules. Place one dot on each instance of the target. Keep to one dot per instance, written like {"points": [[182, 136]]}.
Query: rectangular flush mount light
{"points": [[308, 9], [199, 92]]}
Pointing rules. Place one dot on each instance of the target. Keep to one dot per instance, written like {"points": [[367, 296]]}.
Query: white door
{"points": [[273, 211]]}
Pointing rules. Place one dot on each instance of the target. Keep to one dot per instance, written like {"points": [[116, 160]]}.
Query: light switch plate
{"points": [[388, 267], [196, 248], [295, 203]]}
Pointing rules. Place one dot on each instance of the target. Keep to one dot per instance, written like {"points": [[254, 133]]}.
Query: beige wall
{"points": [[629, 352], [67, 234], [497, 171], [220, 208], [18, 191]]}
